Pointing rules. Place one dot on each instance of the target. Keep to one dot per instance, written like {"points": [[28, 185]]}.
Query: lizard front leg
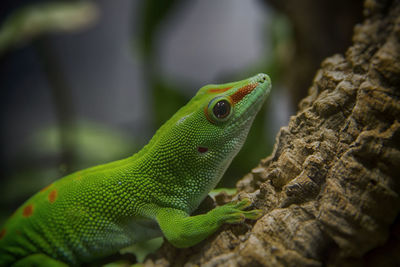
{"points": [[183, 230]]}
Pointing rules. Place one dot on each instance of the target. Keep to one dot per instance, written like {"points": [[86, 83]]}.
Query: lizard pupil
{"points": [[222, 109]]}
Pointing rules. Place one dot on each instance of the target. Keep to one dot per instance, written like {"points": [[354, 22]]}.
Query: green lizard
{"points": [[97, 211]]}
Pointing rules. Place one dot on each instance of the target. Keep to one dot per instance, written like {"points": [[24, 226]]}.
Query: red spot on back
{"points": [[242, 92], [52, 196], [2, 233], [28, 210], [219, 90]]}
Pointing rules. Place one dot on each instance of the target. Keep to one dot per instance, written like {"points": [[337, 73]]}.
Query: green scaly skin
{"points": [[97, 211]]}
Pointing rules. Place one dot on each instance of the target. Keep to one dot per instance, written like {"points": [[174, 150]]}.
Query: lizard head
{"points": [[219, 117], [203, 137], [233, 106]]}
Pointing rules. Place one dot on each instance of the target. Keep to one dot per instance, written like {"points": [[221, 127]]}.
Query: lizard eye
{"points": [[219, 109], [222, 109]]}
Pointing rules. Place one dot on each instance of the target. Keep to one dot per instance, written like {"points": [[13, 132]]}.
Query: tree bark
{"points": [[330, 190]]}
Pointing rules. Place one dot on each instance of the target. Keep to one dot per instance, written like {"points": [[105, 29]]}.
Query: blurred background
{"points": [[88, 82]]}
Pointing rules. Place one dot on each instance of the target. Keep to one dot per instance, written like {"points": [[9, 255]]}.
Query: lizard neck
{"points": [[178, 175]]}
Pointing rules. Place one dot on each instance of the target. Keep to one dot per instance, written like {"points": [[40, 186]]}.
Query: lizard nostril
{"points": [[263, 78]]}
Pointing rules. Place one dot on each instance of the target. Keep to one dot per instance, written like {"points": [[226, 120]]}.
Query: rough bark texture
{"points": [[330, 189]]}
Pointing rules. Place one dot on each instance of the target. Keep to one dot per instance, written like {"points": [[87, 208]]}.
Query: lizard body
{"points": [[97, 211]]}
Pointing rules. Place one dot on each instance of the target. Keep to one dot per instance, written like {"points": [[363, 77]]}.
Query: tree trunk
{"points": [[330, 189]]}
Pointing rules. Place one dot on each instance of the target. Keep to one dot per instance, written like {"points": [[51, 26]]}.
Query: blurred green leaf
{"points": [[95, 143], [281, 37], [29, 22]]}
